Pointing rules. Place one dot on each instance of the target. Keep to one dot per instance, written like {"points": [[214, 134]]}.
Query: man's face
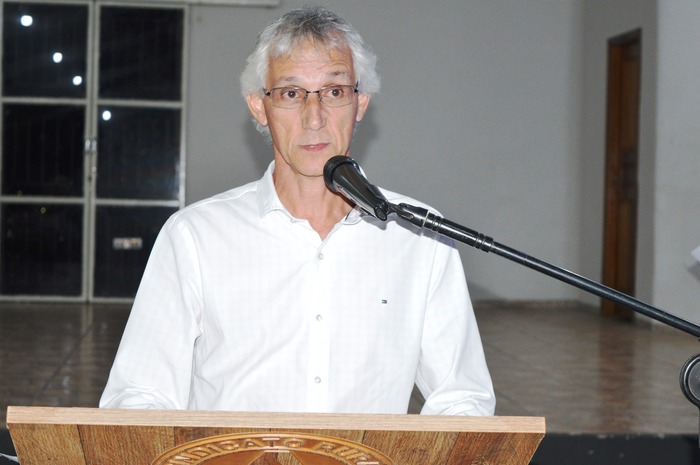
{"points": [[305, 138]]}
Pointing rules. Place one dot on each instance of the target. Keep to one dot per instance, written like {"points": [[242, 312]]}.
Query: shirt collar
{"points": [[269, 201]]}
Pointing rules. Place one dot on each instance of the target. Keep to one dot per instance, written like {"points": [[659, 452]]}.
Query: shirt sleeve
{"points": [[452, 373], [153, 365]]}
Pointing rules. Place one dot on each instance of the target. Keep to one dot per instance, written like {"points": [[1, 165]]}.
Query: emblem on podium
{"points": [[272, 449]]}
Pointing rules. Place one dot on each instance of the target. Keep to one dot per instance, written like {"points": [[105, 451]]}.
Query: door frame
{"points": [[621, 169]]}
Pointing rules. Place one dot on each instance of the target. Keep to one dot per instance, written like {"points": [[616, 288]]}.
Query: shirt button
{"points": [[317, 380], [320, 256], [319, 318]]}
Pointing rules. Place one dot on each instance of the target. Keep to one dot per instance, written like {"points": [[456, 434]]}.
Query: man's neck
{"points": [[310, 199]]}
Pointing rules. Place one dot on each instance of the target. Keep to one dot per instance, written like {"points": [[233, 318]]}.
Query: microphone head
{"points": [[330, 167], [343, 176]]}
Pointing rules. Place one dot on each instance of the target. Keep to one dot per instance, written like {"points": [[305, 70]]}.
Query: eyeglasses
{"points": [[294, 97]]}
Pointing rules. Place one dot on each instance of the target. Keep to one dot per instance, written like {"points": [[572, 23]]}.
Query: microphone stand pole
{"points": [[690, 374]]}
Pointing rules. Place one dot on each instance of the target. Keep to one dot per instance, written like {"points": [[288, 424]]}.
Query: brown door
{"points": [[622, 154]]}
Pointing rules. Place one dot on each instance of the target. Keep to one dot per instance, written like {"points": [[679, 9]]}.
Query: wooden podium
{"points": [[85, 436]]}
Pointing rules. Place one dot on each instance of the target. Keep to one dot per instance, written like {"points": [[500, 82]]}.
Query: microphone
{"points": [[343, 176]]}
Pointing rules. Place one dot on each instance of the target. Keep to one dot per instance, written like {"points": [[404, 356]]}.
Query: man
{"points": [[282, 296]]}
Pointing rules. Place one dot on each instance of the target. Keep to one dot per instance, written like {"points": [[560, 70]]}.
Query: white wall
{"points": [[676, 283], [669, 170], [479, 115]]}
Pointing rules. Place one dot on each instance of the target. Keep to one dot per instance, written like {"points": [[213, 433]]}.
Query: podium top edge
{"points": [[222, 419]]}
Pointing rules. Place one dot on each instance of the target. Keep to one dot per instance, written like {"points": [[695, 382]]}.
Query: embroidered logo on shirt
{"points": [[246, 449]]}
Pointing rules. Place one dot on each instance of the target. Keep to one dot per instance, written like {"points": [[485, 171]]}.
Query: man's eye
{"points": [[334, 92], [291, 94]]}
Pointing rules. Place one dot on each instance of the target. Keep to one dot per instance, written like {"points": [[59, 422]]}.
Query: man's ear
{"points": [[362, 104], [257, 108]]}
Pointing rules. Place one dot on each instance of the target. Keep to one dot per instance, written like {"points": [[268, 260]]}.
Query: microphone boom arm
{"points": [[421, 217]]}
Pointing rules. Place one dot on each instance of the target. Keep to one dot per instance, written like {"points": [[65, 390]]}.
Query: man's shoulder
{"points": [[242, 197], [235, 195]]}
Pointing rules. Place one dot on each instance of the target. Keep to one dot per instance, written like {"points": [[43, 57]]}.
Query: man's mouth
{"points": [[314, 147]]}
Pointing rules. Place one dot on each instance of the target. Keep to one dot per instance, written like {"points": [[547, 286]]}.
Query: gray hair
{"points": [[309, 23]]}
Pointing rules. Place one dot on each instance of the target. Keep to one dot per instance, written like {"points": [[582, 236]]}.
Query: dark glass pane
{"points": [[44, 50], [124, 238], [140, 53], [138, 153], [43, 150], [41, 249]]}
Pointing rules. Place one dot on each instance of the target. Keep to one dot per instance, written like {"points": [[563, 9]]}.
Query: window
{"points": [[92, 145]]}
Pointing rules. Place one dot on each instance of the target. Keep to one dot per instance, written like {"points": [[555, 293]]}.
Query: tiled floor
{"points": [[583, 373], [587, 374]]}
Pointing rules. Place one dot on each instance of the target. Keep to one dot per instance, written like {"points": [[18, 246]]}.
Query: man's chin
{"points": [[308, 169]]}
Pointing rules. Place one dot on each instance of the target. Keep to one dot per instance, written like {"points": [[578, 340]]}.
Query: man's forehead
{"points": [[312, 62]]}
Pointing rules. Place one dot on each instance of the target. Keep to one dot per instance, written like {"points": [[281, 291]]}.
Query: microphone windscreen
{"points": [[343, 176], [330, 167]]}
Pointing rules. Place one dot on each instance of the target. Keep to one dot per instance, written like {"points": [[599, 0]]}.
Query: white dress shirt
{"points": [[243, 307]]}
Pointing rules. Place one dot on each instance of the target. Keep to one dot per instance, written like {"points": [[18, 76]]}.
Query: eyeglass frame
{"points": [[355, 91]]}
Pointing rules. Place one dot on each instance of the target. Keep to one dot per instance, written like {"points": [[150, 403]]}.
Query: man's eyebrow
{"points": [[294, 80], [287, 79], [342, 74]]}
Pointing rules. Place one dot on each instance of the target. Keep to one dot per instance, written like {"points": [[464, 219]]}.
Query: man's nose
{"points": [[314, 113]]}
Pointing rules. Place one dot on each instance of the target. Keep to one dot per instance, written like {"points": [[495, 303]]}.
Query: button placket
{"points": [[319, 338]]}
